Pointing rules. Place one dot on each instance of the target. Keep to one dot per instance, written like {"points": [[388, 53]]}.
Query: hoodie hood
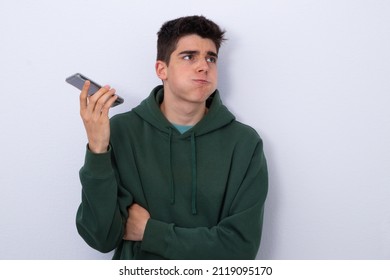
{"points": [[217, 116]]}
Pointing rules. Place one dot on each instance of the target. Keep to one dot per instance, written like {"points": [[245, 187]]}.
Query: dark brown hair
{"points": [[173, 30]]}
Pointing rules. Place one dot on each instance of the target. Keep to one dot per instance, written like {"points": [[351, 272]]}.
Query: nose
{"points": [[202, 66]]}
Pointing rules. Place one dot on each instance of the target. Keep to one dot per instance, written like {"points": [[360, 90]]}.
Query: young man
{"points": [[177, 177]]}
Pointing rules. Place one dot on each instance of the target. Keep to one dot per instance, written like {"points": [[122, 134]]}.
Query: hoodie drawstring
{"points": [[194, 181], [171, 182], [194, 175]]}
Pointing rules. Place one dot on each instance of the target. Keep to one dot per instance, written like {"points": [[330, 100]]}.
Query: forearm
{"points": [[235, 237], [99, 220]]}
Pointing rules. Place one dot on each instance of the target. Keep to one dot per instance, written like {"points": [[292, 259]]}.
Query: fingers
{"points": [[108, 104], [84, 95], [102, 100], [99, 102]]}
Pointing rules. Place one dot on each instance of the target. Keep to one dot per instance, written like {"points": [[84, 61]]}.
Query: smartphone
{"points": [[78, 81]]}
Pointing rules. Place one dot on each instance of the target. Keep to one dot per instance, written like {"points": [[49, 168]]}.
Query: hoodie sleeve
{"points": [[236, 236], [100, 218]]}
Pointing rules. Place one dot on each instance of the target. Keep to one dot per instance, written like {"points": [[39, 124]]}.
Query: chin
{"points": [[202, 95]]}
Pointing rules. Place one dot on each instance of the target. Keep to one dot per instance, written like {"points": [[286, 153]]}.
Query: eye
{"points": [[211, 59], [188, 57]]}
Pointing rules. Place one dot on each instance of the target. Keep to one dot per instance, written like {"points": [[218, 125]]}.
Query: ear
{"points": [[161, 70]]}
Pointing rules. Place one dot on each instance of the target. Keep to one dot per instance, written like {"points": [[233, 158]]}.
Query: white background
{"points": [[312, 77]]}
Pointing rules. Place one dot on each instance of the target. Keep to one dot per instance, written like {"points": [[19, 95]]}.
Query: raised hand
{"points": [[94, 113]]}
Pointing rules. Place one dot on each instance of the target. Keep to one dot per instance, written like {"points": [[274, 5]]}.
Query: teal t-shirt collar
{"points": [[182, 128]]}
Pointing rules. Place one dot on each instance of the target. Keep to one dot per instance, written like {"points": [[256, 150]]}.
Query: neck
{"points": [[183, 114]]}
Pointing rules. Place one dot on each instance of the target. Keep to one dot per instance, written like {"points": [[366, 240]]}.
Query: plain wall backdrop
{"points": [[312, 77]]}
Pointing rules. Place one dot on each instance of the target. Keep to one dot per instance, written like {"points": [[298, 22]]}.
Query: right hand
{"points": [[94, 113], [136, 223]]}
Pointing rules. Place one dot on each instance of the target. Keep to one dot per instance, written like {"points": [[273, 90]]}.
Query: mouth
{"points": [[201, 81]]}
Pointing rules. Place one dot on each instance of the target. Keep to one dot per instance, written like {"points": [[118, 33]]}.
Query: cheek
{"points": [[178, 75]]}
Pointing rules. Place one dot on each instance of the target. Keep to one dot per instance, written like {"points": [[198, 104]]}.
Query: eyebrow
{"points": [[210, 53]]}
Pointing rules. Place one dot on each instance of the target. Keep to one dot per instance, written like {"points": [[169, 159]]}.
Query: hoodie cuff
{"points": [[98, 165], [155, 237]]}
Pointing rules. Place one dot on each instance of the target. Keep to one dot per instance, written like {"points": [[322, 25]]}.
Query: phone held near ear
{"points": [[78, 81]]}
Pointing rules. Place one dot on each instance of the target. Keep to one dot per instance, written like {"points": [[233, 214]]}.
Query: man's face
{"points": [[192, 72]]}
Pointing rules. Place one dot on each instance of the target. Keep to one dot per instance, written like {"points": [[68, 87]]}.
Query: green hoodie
{"points": [[204, 189]]}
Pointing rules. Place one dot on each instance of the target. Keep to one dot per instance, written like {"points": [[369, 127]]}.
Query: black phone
{"points": [[78, 81]]}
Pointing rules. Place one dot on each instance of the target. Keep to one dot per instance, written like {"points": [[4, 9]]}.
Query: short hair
{"points": [[172, 31]]}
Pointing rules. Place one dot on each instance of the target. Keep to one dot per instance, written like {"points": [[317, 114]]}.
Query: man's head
{"points": [[173, 30]]}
